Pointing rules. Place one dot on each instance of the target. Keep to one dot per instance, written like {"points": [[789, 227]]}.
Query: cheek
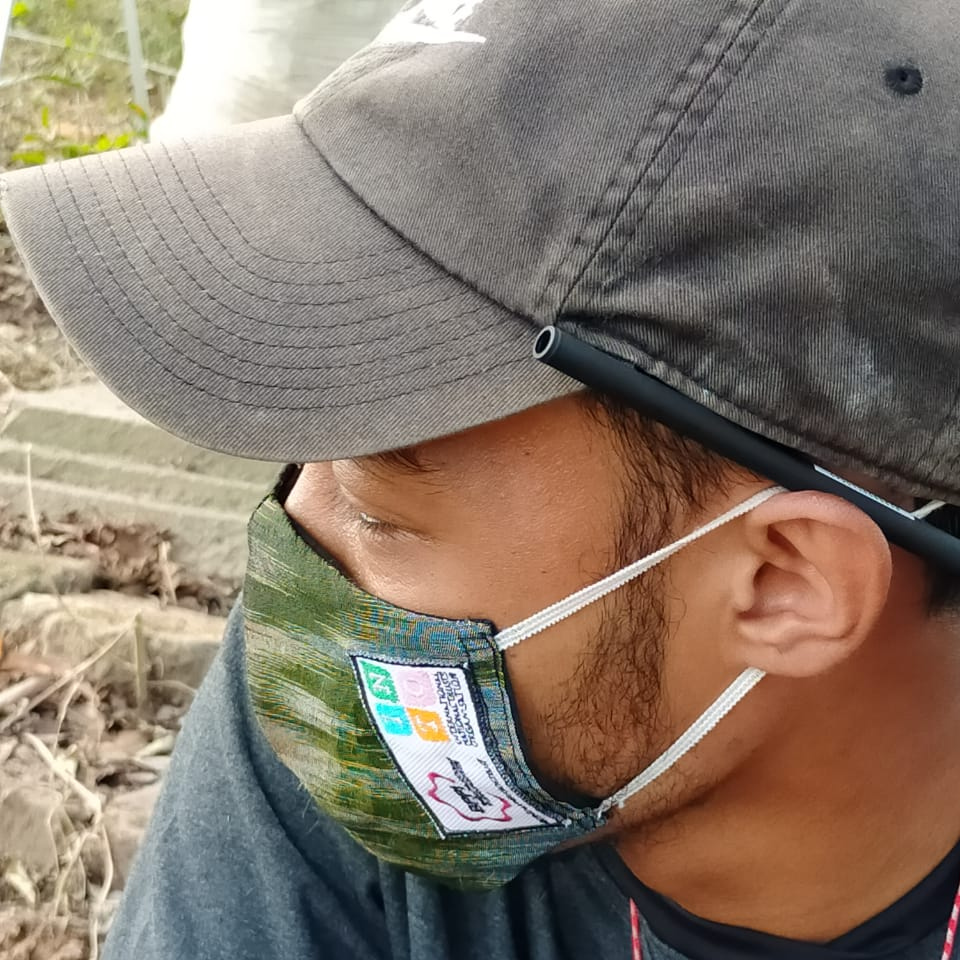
{"points": [[543, 668], [555, 680], [476, 580]]}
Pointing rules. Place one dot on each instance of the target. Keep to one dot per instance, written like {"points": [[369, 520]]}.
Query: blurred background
{"points": [[121, 548]]}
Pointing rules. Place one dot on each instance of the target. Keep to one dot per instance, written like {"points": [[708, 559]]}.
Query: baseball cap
{"points": [[755, 202]]}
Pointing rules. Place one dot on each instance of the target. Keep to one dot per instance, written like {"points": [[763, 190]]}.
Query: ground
{"points": [[102, 639]]}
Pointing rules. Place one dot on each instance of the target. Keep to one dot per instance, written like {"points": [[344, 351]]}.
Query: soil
{"points": [[65, 764], [131, 558], [33, 354], [82, 750], [82, 746]]}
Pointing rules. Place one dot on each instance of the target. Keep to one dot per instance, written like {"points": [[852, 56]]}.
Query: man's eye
{"points": [[374, 526]]}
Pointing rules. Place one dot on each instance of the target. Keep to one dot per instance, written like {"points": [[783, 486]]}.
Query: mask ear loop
{"points": [[709, 719], [690, 738], [583, 598]]}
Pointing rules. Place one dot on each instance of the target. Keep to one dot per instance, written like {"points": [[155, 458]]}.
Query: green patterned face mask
{"points": [[400, 725]]}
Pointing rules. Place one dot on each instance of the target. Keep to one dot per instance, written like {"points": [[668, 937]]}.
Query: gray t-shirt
{"points": [[239, 864]]}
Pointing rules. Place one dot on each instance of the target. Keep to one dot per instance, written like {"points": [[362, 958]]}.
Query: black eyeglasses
{"points": [[612, 375]]}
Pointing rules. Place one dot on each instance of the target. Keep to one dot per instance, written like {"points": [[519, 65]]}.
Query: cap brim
{"points": [[235, 291]]}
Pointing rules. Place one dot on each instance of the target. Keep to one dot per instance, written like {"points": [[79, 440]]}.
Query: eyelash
{"points": [[375, 527]]}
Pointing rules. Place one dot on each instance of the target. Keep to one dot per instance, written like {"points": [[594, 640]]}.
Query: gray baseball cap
{"points": [[756, 201]]}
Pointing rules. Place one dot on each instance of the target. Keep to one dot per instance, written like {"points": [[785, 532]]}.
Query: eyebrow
{"points": [[406, 460]]}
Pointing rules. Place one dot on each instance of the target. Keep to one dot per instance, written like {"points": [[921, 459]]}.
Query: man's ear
{"points": [[811, 584]]}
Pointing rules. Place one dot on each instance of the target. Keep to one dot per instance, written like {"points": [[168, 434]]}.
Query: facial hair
{"points": [[605, 723]]}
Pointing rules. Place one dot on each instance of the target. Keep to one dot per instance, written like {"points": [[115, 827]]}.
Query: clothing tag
{"points": [[428, 721]]}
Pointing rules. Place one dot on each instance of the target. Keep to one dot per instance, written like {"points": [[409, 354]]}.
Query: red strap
{"points": [[951, 928], [635, 931]]}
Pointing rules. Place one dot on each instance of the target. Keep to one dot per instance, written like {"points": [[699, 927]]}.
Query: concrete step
{"points": [[81, 449]]}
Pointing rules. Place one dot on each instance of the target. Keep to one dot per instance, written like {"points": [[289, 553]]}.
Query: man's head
{"points": [[504, 520]]}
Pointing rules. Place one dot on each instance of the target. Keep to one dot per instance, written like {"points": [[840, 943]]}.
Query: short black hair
{"points": [[686, 472]]}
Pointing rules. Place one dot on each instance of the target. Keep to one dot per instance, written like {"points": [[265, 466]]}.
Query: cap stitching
{"points": [[263, 253], [682, 137], [193, 336], [624, 172], [597, 211], [237, 313], [262, 405], [456, 275], [250, 272], [618, 256], [229, 282], [247, 269]]}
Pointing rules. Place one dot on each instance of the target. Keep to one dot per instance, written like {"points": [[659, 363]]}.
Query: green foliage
{"points": [[48, 145], [72, 97]]}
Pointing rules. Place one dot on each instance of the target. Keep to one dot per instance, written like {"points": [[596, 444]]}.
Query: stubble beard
{"points": [[606, 724]]}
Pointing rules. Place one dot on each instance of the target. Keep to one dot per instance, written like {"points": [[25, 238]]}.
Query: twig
{"points": [[168, 590], [17, 691], [65, 704], [73, 856], [92, 800], [140, 664], [9, 391], [68, 677], [97, 909], [17, 877], [31, 506], [35, 530]]}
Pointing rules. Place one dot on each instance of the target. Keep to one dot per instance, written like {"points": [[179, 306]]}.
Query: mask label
{"points": [[428, 720]]}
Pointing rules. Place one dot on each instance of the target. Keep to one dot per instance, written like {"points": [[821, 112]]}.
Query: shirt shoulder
{"points": [[237, 863]]}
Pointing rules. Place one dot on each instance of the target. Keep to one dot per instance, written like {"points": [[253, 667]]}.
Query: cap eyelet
{"points": [[905, 80]]}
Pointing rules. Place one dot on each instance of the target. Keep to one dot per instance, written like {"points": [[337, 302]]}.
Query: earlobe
{"points": [[811, 583]]}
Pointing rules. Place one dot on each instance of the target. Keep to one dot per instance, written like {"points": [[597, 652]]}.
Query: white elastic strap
{"points": [[919, 514], [693, 735], [582, 598], [922, 512]]}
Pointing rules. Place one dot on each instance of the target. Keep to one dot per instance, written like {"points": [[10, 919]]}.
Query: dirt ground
{"points": [[65, 89], [85, 730], [33, 353], [73, 754], [84, 740]]}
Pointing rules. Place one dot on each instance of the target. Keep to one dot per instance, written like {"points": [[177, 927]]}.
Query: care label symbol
{"points": [[428, 725], [394, 720], [379, 682]]}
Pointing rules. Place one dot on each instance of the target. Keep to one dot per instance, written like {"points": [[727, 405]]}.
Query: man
{"points": [[667, 668]]}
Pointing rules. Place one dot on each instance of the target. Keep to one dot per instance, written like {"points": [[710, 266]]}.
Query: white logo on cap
{"points": [[432, 21]]}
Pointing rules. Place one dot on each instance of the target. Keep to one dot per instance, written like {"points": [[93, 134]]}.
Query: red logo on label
{"points": [[462, 796]]}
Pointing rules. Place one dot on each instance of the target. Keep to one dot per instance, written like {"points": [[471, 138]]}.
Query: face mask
{"points": [[400, 725]]}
